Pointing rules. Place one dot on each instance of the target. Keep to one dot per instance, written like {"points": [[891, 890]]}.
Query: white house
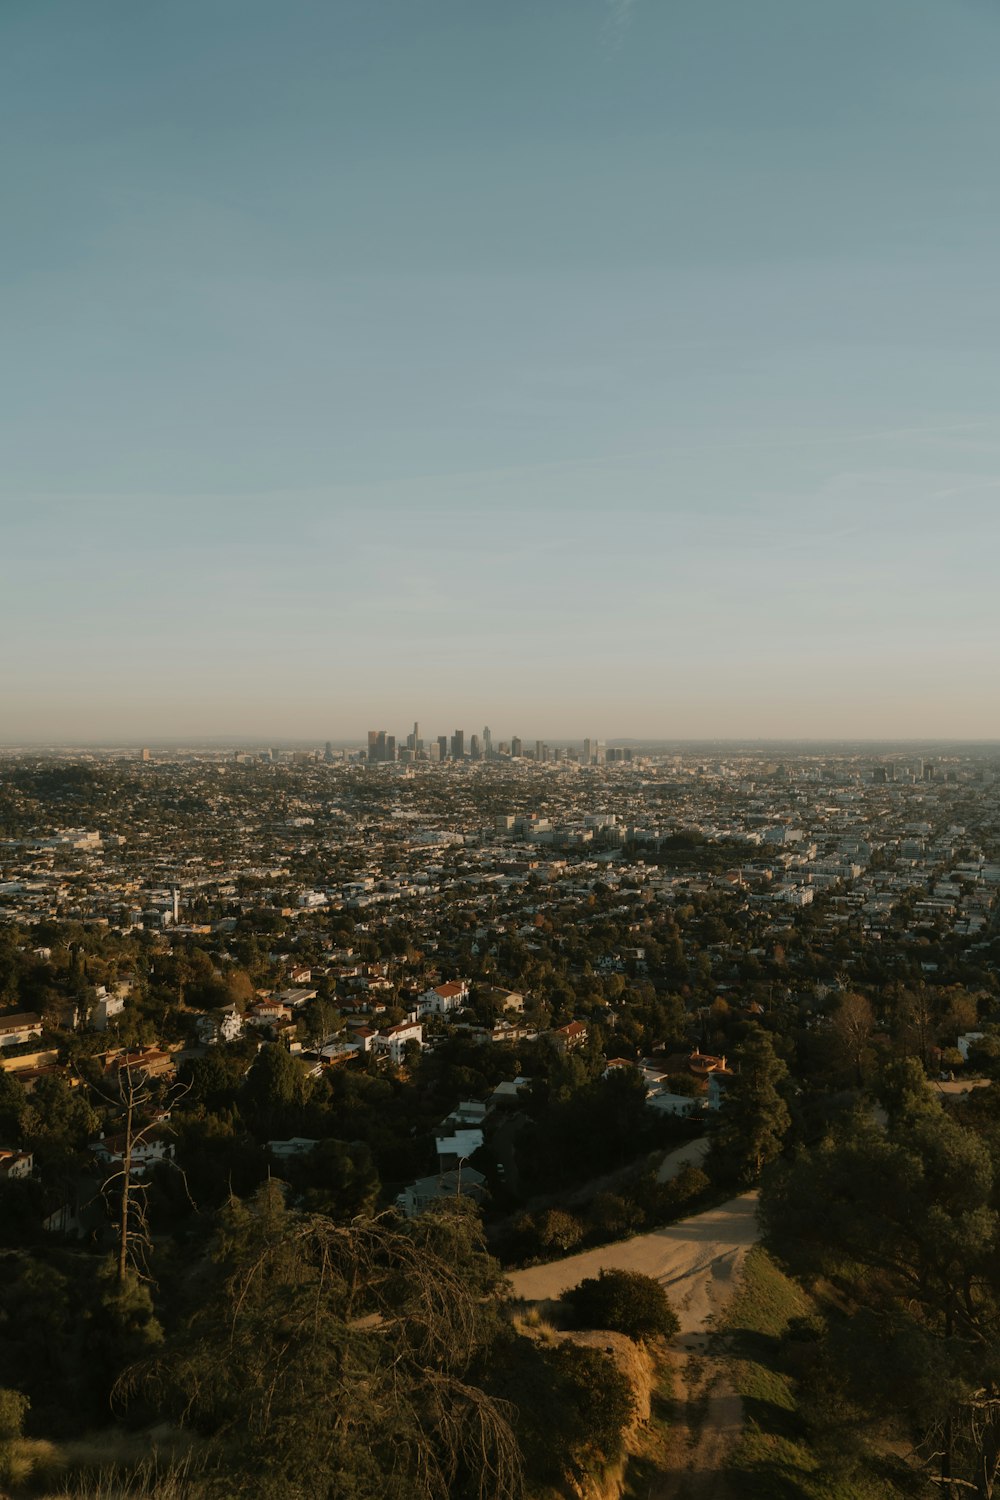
{"points": [[225, 1026], [109, 1004], [681, 1105], [15, 1164], [392, 1042], [452, 1149], [150, 1151], [443, 999], [22, 1027]]}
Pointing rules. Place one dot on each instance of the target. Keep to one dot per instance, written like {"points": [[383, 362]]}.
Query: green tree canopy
{"points": [[753, 1120]]}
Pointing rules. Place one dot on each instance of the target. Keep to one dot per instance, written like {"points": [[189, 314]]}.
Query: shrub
{"points": [[626, 1302], [13, 1410], [573, 1405]]}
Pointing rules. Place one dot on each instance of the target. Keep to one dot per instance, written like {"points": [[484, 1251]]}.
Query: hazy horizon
{"points": [[604, 366], [733, 744]]}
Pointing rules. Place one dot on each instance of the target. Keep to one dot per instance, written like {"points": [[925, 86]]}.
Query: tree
{"points": [[13, 1108], [275, 1091], [333, 1360], [853, 1024], [901, 1219], [626, 1302], [754, 1119]]}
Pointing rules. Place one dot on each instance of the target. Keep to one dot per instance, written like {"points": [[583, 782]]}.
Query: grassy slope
{"points": [[650, 1448], [775, 1459]]}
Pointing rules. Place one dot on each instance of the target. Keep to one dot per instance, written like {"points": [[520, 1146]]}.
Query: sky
{"points": [[580, 367]]}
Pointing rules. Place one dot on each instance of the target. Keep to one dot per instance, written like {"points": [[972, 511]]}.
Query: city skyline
{"points": [[611, 365]]}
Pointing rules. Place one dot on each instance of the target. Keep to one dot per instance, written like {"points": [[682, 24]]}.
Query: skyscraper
{"points": [[458, 745], [515, 747], [487, 744], [442, 747]]}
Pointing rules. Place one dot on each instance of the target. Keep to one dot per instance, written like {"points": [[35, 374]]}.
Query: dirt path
{"points": [[691, 1155], [698, 1261]]}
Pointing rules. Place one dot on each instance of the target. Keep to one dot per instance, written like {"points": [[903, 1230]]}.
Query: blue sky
{"points": [[572, 366]]}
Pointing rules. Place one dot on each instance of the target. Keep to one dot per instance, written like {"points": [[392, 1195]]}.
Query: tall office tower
{"points": [[599, 753], [487, 744], [328, 752], [417, 741], [378, 746], [475, 750], [586, 752], [411, 741], [442, 747], [458, 745], [539, 747], [144, 754], [515, 748]]}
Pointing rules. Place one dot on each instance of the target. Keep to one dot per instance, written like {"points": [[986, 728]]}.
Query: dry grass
{"points": [[28, 1461]]}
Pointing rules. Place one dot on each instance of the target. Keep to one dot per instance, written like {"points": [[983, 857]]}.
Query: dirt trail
{"points": [[698, 1261], [691, 1155]]}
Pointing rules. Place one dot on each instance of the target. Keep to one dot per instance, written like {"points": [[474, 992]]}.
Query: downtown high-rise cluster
{"points": [[384, 748]]}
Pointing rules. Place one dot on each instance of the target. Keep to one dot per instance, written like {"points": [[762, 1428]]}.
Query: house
{"points": [[15, 1164], [509, 1093], [458, 1147], [151, 1061], [109, 1004], [269, 1015], [443, 999], [470, 1112], [361, 1038], [296, 1145], [23, 1026], [503, 999], [701, 1064], [567, 1038], [682, 1106], [392, 1042], [420, 1195], [220, 1026], [296, 997], [150, 1150]]}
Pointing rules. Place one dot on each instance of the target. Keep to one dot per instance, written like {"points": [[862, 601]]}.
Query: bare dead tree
{"points": [[135, 1097]]}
